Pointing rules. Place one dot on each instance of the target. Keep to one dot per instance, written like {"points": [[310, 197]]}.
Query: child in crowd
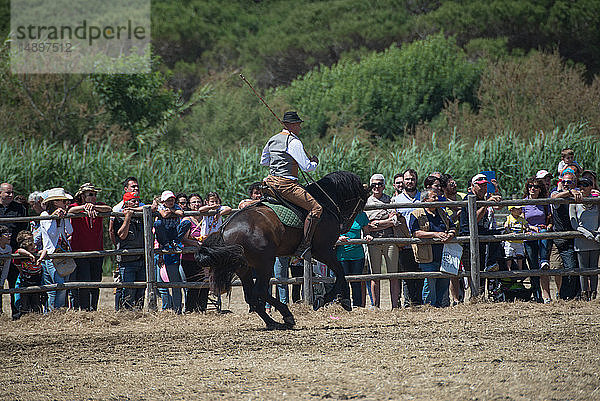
{"points": [[30, 272], [5, 249], [515, 250], [167, 224], [567, 158], [212, 223]]}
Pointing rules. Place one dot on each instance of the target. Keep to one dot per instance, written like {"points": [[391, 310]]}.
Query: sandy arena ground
{"points": [[479, 351]]}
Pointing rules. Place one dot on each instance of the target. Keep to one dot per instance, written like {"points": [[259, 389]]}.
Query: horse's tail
{"points": [[222, 260]]}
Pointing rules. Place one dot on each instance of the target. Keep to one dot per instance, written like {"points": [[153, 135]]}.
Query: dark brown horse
{"points": [[249, 241]]}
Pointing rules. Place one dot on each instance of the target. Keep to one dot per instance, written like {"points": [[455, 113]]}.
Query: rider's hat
{"points": [[291, 117]]}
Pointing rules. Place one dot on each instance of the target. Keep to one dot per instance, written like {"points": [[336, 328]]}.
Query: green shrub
{"points": [[390, 91]]}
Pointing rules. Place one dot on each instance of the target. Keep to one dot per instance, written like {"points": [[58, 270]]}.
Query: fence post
{"points": [[473, 245], [149, 257], [308, 281]]}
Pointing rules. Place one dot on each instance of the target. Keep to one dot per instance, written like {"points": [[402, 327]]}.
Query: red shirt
{"points": [[87, 232]]}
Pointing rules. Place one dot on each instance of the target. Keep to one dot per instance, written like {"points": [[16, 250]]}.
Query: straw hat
{"points": [[56, 194]]}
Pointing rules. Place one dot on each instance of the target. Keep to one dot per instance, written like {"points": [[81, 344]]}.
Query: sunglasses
{"points": [[585, 184], [379, 184], [568, 182], [533, 186]]}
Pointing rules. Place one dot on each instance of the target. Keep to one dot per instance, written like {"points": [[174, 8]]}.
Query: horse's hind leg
{"points": [[261, 294]]}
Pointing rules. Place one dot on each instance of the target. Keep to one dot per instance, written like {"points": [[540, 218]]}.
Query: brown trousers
{"points": [[291, 191]]}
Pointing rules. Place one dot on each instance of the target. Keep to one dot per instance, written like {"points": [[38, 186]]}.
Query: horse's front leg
{"points": [[340, 286]]}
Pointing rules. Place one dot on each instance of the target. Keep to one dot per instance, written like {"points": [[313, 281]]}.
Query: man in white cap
{"points": [[284, 154]]}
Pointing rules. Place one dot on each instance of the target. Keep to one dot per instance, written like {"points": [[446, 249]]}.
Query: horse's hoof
{"points": [[289, 321], [318, 303], [276, 326], [346, 304]]}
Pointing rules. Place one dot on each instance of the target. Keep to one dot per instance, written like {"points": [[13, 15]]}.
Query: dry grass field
{"points": [[482, 351]]}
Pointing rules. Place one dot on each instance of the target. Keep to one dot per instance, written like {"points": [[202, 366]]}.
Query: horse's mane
{"points": [[341, 186]]}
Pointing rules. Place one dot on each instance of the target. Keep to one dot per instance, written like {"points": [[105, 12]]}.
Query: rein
{"points": [[322, 190]]}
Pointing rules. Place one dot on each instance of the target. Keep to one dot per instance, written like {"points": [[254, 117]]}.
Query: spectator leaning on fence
{"points": [[427, 223], [130, 184], [254, 194], [212, 223], [412, 289], [182, 201], [539, 219], [129, 232], [381, 225], [88, 235], [10, 208], [591, 175], [197, 298], [569, 285], [55, 237], [352, 256], [489, 253], [585, 218], [166, 226]]}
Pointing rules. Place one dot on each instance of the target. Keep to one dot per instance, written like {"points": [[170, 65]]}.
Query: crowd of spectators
{"points": [[31, 243]]}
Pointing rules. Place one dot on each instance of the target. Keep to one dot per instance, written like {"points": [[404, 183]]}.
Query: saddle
{"points": [[290, 215]]}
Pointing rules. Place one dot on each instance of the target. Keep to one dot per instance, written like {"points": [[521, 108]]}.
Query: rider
{"points": [[284, 153]]}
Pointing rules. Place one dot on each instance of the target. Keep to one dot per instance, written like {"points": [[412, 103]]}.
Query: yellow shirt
{"points": [[516, 226]]}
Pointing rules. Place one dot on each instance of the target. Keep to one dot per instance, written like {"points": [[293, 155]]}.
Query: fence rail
{"points": [[473, 239]]}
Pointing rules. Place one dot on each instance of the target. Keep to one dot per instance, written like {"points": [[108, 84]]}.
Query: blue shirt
{"points": [[353, 251]]}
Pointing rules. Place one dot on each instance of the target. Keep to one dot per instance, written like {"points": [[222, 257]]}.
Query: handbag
{"points": [[63, 266]]}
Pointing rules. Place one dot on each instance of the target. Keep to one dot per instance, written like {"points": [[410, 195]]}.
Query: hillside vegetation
{"points": [[382, 85]]}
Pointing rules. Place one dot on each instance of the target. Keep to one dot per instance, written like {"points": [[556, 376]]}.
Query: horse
{"points": [[251, 238]]}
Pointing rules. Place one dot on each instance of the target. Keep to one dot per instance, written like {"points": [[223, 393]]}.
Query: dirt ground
{"points": [[474, 351]]}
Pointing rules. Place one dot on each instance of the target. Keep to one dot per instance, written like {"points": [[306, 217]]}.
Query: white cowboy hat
{"points": [[56, 194]]}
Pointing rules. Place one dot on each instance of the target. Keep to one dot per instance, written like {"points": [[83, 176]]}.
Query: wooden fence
{"points": [[308, 279]]}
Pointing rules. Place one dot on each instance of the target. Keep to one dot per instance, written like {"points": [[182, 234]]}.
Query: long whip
{"points": [[261, 99]]}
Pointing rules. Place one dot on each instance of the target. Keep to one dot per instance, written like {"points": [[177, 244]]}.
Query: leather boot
{"points": [[310, 224]]}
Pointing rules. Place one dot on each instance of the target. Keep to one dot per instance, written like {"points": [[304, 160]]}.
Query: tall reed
{"points": [[40, 165]]}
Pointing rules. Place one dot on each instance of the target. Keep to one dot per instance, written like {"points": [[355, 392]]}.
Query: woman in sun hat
{"points": [[55, 234], [88, 235]]}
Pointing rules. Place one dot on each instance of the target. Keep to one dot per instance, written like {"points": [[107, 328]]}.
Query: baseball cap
{"points": [[377, 177], [542, 174], [127, 196], [166, 195], [479, 179]]}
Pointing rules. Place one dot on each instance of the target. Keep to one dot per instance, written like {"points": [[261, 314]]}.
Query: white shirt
{"points": [[211, 224], [51, 232], [296, 150], [405, 198]]}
